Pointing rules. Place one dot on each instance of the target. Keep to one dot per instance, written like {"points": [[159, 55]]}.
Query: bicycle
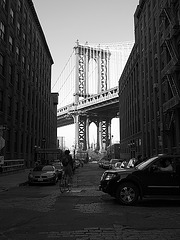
{"points": [[64, 183]]}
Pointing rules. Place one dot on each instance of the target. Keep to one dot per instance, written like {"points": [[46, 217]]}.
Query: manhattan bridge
{"points": [[88, 90]]}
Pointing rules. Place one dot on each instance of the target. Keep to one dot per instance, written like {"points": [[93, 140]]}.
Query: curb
{"points": [[3, 189], [23, 184]]}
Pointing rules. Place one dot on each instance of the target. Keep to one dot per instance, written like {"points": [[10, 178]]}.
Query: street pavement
{"points": [[88, 214]]}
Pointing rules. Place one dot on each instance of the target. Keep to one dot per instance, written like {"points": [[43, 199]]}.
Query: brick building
{"points": [[149, 87], [28, 109]]}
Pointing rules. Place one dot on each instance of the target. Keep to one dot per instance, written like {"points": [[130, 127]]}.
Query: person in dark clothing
{"points": [[67, 162], [139, 160]]}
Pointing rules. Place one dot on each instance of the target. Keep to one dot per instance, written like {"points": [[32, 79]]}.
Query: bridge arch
{"points": [[92, 85], [93, 95]]}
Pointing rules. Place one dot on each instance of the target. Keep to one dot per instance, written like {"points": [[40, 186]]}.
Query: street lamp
{"points": [[43, 146], [111, 146], [35, 154]]}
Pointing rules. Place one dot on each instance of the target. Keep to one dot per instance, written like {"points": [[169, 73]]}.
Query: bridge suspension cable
{"points": [[63, 70], [65, 83], [119, 53]]}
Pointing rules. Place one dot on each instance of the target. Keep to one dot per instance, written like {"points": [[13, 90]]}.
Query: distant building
{"points": [[149, 87], [28, 109], [61, 143]]}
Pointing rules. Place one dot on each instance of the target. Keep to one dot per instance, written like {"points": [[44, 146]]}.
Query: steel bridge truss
{"points": [[84, 54], [103, 132]]}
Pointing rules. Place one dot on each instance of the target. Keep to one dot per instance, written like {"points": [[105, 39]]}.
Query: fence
{"points": [[12, 165]]}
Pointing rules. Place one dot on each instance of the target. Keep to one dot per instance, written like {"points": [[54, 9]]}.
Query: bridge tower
{"points": [[84, 54]]}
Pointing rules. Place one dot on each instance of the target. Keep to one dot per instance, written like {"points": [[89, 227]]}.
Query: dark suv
{"points": [[156, 177]]}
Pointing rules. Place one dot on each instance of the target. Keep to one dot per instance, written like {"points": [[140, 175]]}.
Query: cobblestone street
{"points": [[85, 213]]}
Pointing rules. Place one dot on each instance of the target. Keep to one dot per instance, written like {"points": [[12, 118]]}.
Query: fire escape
{"points": [[169, 41]]}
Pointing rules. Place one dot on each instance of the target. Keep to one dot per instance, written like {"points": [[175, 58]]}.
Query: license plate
{"points": [[40, 179]]}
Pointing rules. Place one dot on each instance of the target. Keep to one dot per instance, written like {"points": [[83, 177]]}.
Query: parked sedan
{"points": [[59, 168], [105, 164], [100, 162], [112, 162], [117, 165], [43, 174]]}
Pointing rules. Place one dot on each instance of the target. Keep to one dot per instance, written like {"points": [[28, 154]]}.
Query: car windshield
{"points": [[118, 164], [114, 160], [142, 165], [38, 168], [57, 166], [48, 168]]}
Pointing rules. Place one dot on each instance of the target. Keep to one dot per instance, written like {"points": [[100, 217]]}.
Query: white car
{"points": [[112, 163], [117, 165], [43, 174]]}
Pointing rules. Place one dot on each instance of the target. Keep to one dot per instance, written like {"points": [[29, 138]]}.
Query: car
{"points": [[59, 168], [100, 162], [117, 165], [124, 164], [105, 164], [112, 162], [43, 174], [77, 163], [146, 180], [131, 163]]}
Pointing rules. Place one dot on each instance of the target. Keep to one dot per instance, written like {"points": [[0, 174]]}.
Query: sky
{"points": [[96, 21]]}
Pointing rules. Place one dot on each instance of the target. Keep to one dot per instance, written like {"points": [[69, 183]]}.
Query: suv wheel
{"points": [[127, 194]]}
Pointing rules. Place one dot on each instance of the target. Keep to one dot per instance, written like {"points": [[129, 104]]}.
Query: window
{"points": [[24, 38], [9, 105], [10, 73], [29, 48], [1, 64], [18, 28], [10, 44], [25, 16], [29, 25], [18, 81], [15, 141], [22, 141], [23, 114], [1, 100], [3, 3], [28, 70], [19, 5], [33, 76], [12, 16], [17, 54], [23, 88], [2, 30], [16, 110], [8, 139], [23, 62], [149, 10]]}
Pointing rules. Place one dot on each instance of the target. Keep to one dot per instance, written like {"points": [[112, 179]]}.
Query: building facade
{"points": [[28, 109], [149, 87]]}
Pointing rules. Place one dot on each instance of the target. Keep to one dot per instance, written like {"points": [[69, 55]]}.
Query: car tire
{"points": [[127, 194]]}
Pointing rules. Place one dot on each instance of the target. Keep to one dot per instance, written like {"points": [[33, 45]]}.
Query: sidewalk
{"points": [[13, 180]]}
